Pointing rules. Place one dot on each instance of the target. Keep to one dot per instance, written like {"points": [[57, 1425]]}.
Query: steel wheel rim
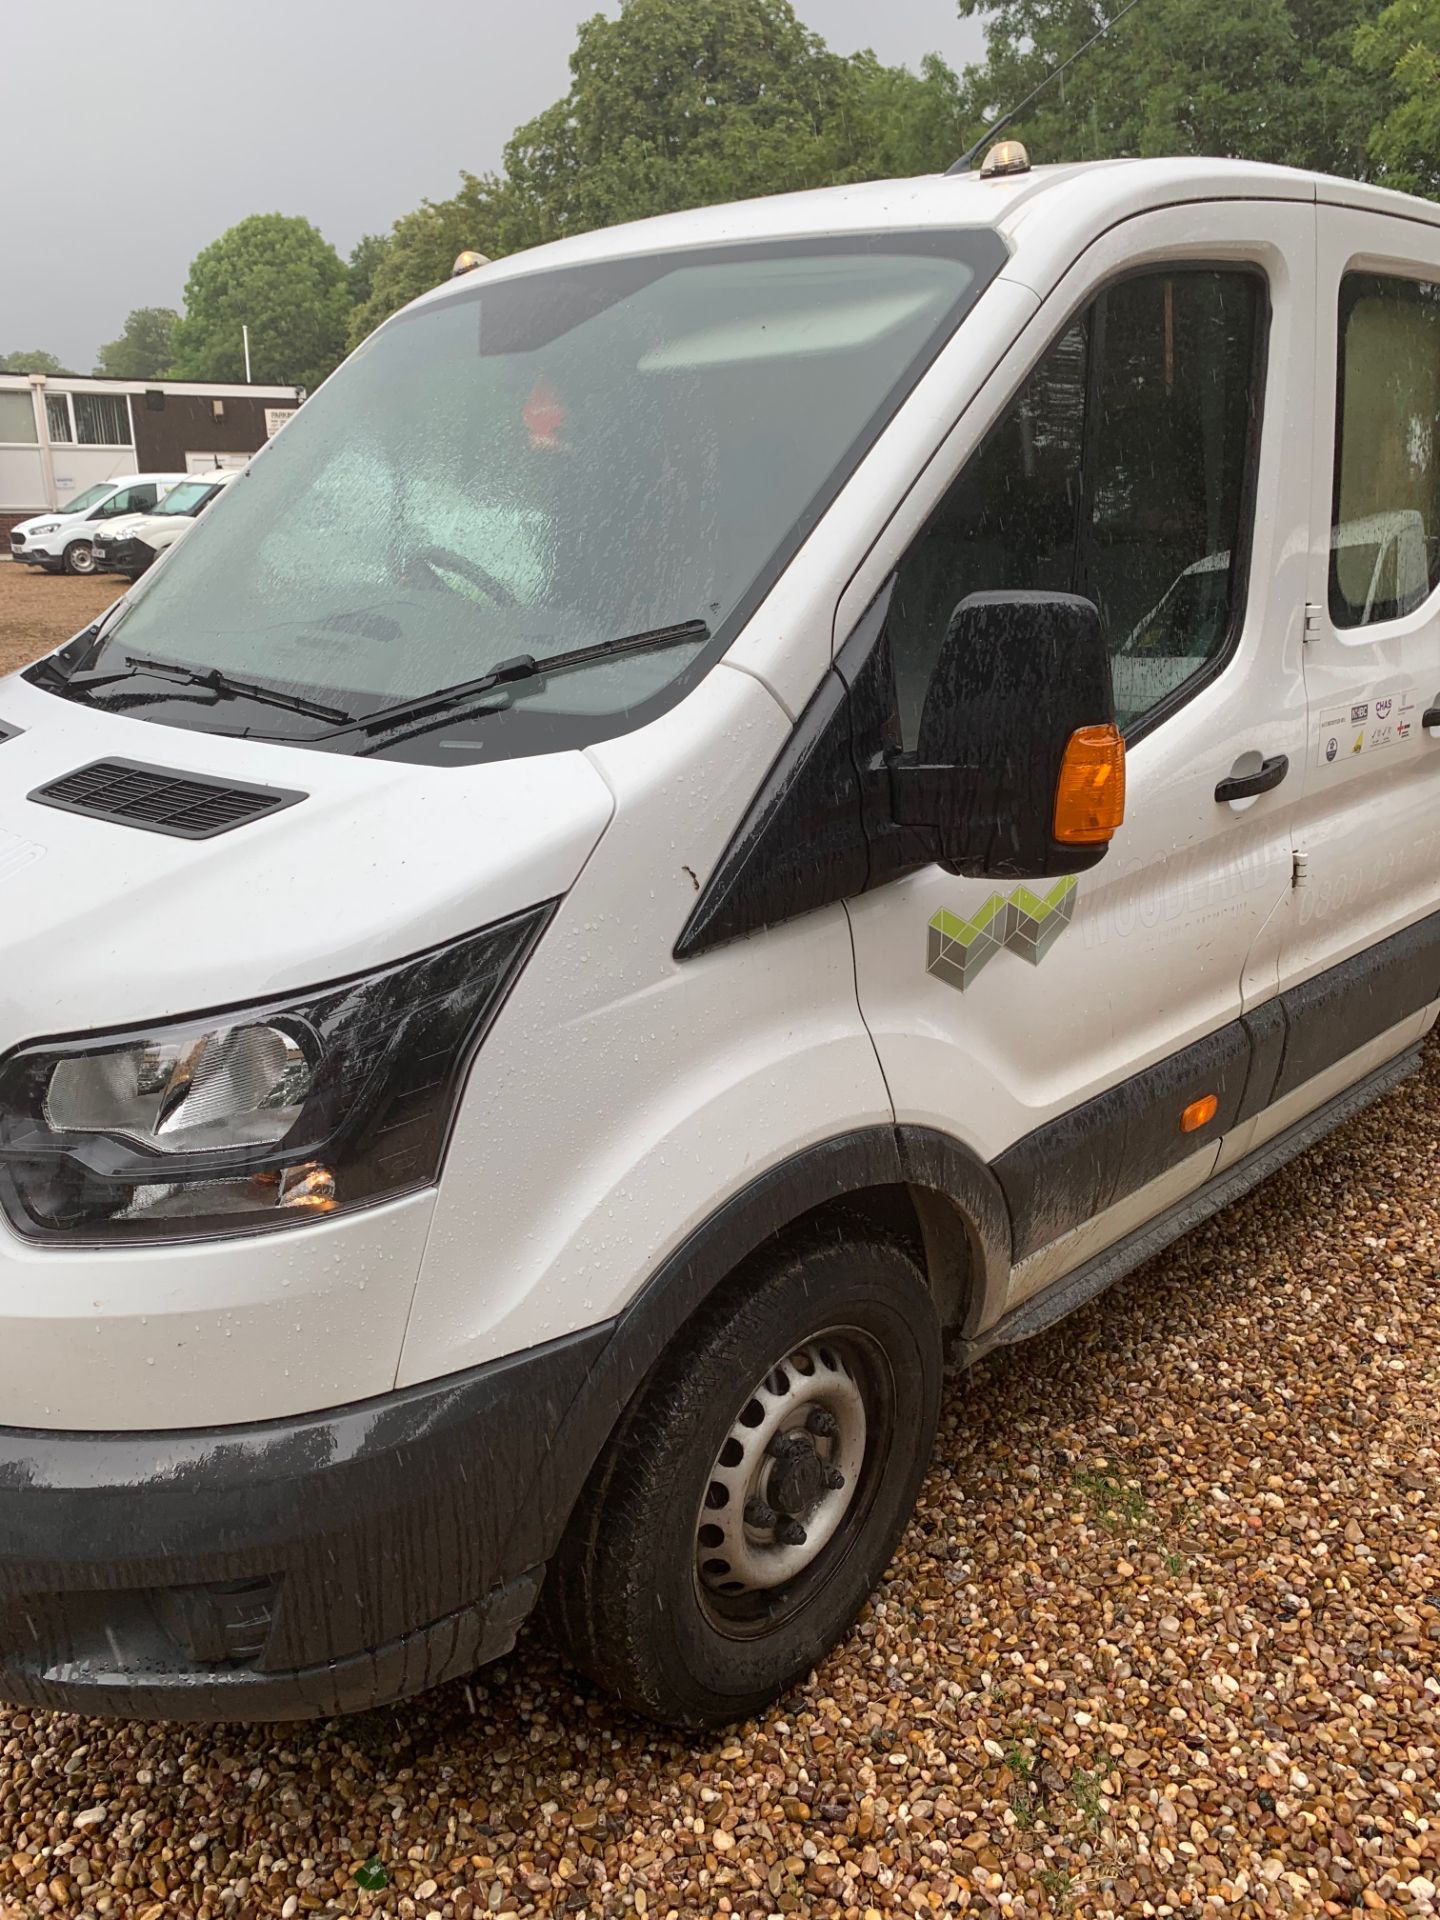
{"points": [[82, 557], [747, 1573]]}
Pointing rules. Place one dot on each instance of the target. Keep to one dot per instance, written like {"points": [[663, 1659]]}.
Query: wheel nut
{"points": [[790, 1533], [759, 1516], [834, 1479], [823, 1422]]}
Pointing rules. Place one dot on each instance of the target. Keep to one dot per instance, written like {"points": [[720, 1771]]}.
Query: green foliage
{"points": [[1401, 50], [679, 103], [421, 248], [279, 276], [1257, 79], [144, 348], [36, 362], [369, 250]]}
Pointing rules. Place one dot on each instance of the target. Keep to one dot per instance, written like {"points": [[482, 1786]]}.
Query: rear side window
{"points": [[1385, 534], [1122, 471]]}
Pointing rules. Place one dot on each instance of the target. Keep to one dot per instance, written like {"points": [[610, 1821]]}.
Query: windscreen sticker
{"points": [[1365, 725], [1027, 923]]}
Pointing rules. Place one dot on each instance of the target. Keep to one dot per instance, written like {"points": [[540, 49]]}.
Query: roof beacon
{"points": [[1006, 156], [467, 262]]}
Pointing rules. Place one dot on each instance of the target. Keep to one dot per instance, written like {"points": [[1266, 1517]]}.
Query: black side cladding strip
{"points": [[1074, 1167], [1350, 1004], [1100, 1152]]}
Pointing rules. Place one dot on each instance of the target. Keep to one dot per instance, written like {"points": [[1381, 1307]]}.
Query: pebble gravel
{"points": [[1164, 1638]]}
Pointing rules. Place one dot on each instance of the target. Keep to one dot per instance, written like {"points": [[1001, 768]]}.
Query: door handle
{"points": [[1245, 786], [1430, 717]]}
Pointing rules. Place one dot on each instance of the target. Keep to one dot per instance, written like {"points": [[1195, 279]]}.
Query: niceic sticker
{"points": [[1366, 725], [1023, 921]]}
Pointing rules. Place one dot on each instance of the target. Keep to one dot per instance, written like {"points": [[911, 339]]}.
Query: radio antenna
{"points": [[967, 159]]}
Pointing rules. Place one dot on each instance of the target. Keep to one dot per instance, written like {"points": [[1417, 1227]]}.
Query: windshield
{"points": [[185, 498], [549, 461], [91, 497]]}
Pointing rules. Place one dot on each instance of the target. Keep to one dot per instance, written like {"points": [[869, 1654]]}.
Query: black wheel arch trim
{"points": [[844, 1166]]}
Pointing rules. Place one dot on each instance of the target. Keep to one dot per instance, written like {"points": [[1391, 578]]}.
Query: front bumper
{"points": [[290, 1569], [130, 557]]}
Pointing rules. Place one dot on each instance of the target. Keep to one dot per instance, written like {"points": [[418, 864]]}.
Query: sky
{"points": [[194, 113]]}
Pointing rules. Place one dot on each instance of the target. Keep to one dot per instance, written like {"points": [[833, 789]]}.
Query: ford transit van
{"points": [[601, 912]]}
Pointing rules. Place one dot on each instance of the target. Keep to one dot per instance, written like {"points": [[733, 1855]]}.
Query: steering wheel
{"points": [[440, 559]]}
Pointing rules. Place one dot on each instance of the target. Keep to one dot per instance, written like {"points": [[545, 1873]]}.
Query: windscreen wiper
{"points": [[222, 685], [524, 666]]}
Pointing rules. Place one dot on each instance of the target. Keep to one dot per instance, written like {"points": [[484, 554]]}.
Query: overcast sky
{"points": [[122, 161]]}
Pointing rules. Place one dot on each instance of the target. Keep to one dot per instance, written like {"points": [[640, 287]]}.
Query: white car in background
{"points": [[63, 541], [135, 545]]}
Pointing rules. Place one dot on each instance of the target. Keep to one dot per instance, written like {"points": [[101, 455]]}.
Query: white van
{"points": [[133, 545], [63, 541], [580, 928]]}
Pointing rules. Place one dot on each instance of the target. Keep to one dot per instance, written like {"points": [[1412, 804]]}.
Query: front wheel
{"points": [[756, 1491], [80, 557]]}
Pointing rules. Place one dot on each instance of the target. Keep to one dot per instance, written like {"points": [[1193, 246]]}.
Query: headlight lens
{"points": [[45, 526], [324, 1101]]}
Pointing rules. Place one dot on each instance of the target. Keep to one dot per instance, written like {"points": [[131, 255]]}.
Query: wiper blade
{"points": [[222, 685], [524, 666]]}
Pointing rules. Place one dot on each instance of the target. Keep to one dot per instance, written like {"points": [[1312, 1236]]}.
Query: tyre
{"points": [[757, 1487], [79, 557]]}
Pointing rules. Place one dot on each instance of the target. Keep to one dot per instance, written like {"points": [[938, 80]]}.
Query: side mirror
{"points": [[1019, 769]]}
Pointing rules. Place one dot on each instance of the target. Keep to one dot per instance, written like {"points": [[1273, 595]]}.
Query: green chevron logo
{"points": [[1027, 924]]}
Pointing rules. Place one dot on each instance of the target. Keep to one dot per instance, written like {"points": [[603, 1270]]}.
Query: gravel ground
{"points": [[39, 611], [1162, 1640]]}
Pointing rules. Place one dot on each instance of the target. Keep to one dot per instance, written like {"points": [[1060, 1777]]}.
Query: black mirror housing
{"points": [[1018, 674]]}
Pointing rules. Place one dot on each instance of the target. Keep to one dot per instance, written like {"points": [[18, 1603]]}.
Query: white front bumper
{"points": [[207, 1333]]}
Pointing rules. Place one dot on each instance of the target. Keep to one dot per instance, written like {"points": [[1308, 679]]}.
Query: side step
{"points": [[1072, 1290]]}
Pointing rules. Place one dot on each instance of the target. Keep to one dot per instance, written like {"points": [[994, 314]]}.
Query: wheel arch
{"points": [[910, 1182]]}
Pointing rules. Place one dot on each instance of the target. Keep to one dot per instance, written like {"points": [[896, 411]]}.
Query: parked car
{"points": [[133, 545], [63, 541], [598, 915]]}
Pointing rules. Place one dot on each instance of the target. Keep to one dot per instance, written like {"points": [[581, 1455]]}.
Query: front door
{"points": [[1073, 1031]]}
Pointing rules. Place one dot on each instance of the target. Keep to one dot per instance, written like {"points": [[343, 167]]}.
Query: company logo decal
{"points": [[1026, 923], [1362, 712]]}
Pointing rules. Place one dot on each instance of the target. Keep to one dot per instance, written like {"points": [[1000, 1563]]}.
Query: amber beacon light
{"points": [[1090, 793]]}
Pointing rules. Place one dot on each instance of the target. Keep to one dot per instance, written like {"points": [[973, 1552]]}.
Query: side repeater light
{"points": [[1090, 793]]}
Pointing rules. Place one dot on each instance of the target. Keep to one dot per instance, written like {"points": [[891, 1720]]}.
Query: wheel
{"points": [[79, 557], [758, 1486]]}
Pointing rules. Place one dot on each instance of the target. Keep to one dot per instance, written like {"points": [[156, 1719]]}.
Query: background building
{"points": [[59, 434]]}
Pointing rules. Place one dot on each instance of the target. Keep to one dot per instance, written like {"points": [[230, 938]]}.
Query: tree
{"points": [[37, 362], [275, 274], [1401, 49], [144, 348], [369, 251], [1261, 79], [421, 248], [679, 103]]}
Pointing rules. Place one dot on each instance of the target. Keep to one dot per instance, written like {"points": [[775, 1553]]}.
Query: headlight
{"points": [[257, 1117], [45, 526]]}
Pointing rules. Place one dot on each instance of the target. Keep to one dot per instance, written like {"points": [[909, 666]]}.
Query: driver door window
{"points": [[1121, 472]]}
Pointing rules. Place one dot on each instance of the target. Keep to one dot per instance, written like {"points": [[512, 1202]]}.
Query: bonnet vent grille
{"points": [[188, 805]]}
